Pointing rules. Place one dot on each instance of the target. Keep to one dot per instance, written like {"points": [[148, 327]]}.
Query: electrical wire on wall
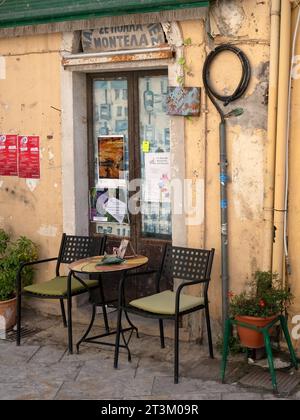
{"points": [[286, 250], [215, 97]]}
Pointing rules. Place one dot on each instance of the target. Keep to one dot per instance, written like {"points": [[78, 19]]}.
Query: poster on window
{"points": [[8, 155], [29, 157], [158, 177], [108, 205], [111, 157]]}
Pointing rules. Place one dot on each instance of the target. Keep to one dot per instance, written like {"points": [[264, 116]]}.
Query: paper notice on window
{"points": [[116, 208], [157, 177]]}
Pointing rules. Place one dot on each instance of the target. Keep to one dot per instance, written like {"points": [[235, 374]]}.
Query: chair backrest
{"points": [[188, 264], [74, 248]]}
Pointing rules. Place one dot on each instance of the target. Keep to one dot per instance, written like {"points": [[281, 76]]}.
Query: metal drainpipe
{"points": [[272, 125], [215, 97], [282, 124], [224, 218]]}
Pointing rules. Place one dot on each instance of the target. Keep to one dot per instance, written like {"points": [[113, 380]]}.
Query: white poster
{"points": [[157, 177], [116, 208]]}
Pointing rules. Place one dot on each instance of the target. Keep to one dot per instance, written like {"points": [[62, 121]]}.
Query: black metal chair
{"points": [[192, 266], [72, 248]]}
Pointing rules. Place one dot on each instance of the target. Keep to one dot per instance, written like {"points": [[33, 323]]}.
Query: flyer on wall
{"points": [[29, 157], [9, 155]]}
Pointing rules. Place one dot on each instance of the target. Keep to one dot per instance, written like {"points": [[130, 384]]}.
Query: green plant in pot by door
{"points": [[12, 254], [263, 302]]}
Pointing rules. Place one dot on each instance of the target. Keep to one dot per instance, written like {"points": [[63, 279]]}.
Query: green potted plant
{"points": [[12, 254], [264, 301]]}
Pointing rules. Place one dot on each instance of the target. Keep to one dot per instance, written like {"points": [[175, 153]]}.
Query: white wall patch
{"points": [[2, 68], [48, 231], [32, 184]]}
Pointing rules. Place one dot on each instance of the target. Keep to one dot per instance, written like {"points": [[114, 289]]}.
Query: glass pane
{"points": [[155, 157], [109, 197]]}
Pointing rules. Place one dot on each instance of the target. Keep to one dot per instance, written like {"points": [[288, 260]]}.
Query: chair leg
{"points": [[118, 334], [69, 301], [176, 355], [208, 326], [289, 341], [162, 335], [270, 360], [225, 349], [19, 310], [63, 312], [103, 306]]}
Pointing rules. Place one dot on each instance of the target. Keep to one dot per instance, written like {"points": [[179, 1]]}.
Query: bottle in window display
{"points": [[96, 113], [105, 109], [148, 99], [104, 130], [164, 93]]}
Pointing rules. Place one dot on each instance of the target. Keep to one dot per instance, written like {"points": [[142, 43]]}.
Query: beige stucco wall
{"points": [[294, 190], [30, 105], [246, 24]]}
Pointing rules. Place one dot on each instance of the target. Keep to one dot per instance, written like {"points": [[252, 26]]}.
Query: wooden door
{"points": [[130, 141]]}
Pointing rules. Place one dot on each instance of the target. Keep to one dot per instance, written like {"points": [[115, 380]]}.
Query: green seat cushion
{"points": [[164, 303], [58, 287]]}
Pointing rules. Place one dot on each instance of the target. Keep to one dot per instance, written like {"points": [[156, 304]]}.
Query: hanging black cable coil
{"points": [[243, 85], [215, 97]]}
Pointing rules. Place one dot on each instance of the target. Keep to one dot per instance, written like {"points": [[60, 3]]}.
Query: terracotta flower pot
{"points": [[250, 338], [8, 310]]}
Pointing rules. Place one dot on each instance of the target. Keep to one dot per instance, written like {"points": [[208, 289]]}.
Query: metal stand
{"points": [[265, 332]]}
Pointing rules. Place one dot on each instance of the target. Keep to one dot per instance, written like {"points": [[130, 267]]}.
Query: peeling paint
{"points": [[2, 68], [255, 104], [227, 18], [32, 184], [50, 156], [48, 231]]}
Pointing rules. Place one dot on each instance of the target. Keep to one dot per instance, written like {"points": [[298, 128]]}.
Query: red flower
{"points": [[230, 295], [262, 303]]}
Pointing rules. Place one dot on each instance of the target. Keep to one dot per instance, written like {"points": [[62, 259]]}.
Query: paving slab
{"points": [[122, 387], [180, 397], [245, 396], [101, 369], [39, 372], [48, 354], [41, 390], [10, 354], [165, 385]]}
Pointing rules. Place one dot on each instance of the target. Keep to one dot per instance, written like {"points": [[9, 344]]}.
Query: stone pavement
{"points": [[42, 369]]}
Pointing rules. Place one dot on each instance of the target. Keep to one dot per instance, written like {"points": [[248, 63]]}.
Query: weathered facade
{"points": [[43, 91]]}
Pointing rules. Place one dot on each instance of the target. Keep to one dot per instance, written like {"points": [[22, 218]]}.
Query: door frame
{"points": [[134, 146]]}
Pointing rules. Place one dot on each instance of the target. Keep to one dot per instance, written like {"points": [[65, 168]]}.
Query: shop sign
{"points": [[126, 37]]}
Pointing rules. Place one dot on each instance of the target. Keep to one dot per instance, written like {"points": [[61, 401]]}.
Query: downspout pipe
{"points": [[280, 209], [215, 98], [272, 128]]}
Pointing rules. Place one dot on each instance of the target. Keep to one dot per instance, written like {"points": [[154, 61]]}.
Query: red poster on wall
{"points": [[8, 155], [29, 157]]}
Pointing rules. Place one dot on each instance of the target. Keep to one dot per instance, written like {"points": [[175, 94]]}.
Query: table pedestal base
{"points": [[94, 339]]}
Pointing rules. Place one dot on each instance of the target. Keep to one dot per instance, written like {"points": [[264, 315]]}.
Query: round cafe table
{"points": [[89, 266]]}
